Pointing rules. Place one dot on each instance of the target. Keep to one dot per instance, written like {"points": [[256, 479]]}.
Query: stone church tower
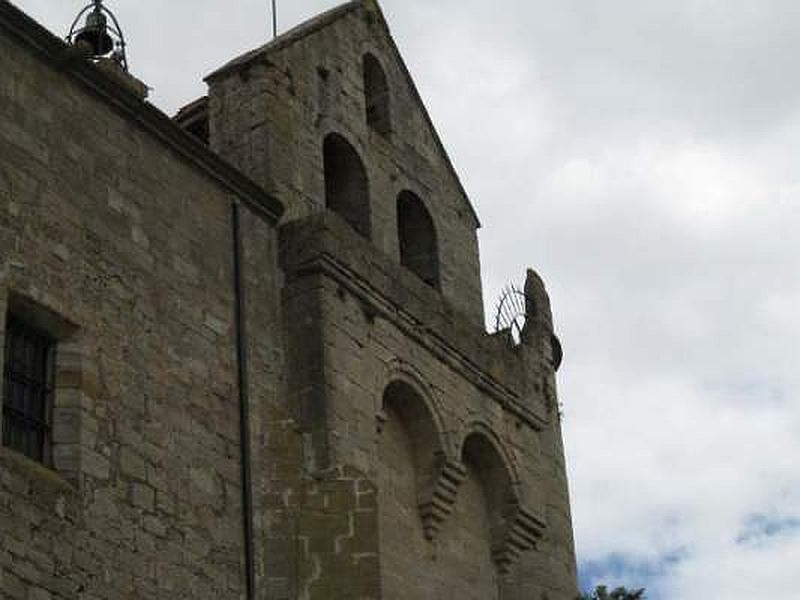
{"points": [[264, 371]]}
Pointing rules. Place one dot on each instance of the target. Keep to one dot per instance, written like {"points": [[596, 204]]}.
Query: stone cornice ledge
{"points": [[374, 300]]}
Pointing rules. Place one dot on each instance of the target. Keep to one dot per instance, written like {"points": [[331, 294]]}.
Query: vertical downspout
{"points": [[244, 405]]}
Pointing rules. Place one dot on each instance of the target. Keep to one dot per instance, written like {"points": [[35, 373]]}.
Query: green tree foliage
{"points": [[602, 593]]}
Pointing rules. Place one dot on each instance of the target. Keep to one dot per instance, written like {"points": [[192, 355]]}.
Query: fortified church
{"points": [[243, 349]]}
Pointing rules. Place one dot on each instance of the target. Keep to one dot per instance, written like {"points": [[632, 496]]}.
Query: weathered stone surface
{"points": [[397, 450], [109, 229], [271, 111]]}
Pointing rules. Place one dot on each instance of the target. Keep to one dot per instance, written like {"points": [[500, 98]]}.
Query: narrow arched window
{"points": [[418, 247], [376, 94], [346, 185]]}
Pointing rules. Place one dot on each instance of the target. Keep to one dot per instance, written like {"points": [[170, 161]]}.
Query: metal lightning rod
{"points": [[274, 19]]}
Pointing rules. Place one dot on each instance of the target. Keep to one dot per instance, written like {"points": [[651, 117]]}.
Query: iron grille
{"points": [[28, 380]]}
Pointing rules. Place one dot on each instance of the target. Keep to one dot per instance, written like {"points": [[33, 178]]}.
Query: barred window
{"points": [[28, 383]]}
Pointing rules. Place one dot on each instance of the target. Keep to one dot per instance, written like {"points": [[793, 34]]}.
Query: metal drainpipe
{"points": [[244, 404]]}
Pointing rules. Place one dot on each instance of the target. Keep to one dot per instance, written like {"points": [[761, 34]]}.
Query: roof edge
{"points": [[425, 113], [63, 58], [295, 34], [313, 25]]}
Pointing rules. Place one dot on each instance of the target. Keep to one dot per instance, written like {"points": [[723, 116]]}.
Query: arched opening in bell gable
{"points": [[376, 95], [346, 184], [419, 251]]}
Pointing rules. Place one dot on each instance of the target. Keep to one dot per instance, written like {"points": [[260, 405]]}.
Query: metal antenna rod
{"points": [[274, 18]]}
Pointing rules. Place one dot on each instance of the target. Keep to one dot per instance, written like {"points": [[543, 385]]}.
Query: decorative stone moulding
{"points": [[521, 532], [438, 502]]}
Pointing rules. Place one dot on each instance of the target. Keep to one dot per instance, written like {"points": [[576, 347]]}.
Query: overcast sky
{"points": [[641, 155]]}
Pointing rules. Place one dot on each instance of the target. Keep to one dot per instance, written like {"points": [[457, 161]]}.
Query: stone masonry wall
{"points": [[398, 451], [474, 416], [122, 249], [270, 114]]}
